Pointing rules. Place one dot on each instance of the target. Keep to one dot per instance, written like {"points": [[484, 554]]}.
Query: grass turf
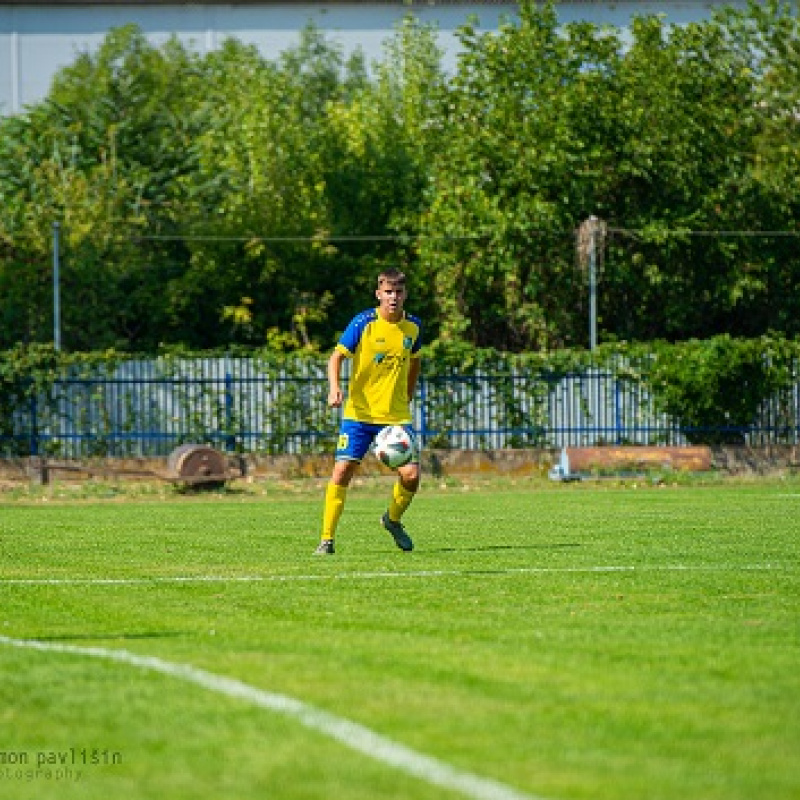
{"points": [[570, 642]]}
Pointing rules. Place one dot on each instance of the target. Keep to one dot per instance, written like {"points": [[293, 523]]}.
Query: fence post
{"points": [[592, 284], [56, 287], [423, 422], [230, 439], [617, 409], [34, 434]]}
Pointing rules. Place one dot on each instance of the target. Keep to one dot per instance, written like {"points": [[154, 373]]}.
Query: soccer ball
{"points": [[393, 446]]}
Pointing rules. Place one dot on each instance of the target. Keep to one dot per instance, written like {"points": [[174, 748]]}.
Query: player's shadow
{"points": [[94, 637], [485, 548]]}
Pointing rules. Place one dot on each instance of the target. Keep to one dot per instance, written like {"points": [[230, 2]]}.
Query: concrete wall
{"points": [[726, 460], [37, 39]]}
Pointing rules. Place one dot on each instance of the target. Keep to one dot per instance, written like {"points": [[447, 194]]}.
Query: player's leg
{"points": [[353, 444], [403, 492]]}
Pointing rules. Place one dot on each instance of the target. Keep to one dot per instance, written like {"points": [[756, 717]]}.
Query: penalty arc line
{"points": [[352, 734]]}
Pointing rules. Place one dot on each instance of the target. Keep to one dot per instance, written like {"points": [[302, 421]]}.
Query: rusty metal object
{"points": [[197, 465], [190, 465], [592, 463], [694, 458]]}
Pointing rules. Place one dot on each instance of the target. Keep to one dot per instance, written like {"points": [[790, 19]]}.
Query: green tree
{"points": [[257, 215], [514, 181], [687, 117], [101, 156], [770, 281], [378, 145], [662, 136], [231, 199]]}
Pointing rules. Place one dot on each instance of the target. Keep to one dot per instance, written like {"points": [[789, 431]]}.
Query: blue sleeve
{"points": [[355, 330], [417, 346]]}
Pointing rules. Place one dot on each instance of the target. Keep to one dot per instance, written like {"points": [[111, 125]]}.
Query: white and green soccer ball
{"points": [[393, 446]]}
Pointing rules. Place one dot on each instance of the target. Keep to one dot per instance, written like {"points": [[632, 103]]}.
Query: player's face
{"points": [[391, 297]]}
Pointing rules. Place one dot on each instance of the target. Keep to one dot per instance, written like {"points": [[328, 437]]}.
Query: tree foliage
{"points": [[228, 198], [659, 137]]}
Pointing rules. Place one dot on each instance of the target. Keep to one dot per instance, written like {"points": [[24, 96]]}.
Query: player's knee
{"points": [[410, 477], [343, 472]]}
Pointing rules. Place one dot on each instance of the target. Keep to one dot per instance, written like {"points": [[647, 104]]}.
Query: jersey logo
{"points": [[390, 361], [407, 343]]}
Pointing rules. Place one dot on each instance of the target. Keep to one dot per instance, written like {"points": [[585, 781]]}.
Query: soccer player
{"points": [[384, 344]]}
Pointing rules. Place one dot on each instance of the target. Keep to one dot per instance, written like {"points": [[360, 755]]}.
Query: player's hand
{"points": [[335, 398]]}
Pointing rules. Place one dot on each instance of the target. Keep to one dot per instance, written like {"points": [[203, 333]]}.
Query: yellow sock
{"points": [[334, 505], [401, 500]]}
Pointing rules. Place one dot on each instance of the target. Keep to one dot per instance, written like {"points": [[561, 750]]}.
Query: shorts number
{"points": [[344, 440]]}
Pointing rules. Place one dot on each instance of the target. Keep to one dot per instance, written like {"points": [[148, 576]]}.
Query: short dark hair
{"points": [[392, 275]]}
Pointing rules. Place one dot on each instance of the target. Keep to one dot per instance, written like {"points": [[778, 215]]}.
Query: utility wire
{"points": [[451, 238], [709, 233], [310, 239]]}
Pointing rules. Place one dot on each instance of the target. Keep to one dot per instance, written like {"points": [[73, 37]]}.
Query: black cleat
{"points": [[401, 538], [325, 548]]}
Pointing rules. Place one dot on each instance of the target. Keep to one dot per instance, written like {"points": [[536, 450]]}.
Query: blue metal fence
{"points": [[146, 409]]}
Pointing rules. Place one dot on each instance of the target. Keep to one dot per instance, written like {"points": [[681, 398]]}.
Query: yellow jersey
{"points": [[381, 353]]}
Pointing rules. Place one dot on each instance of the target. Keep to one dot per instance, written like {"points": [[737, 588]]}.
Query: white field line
{"points": [[388, 575], [352, 734]]}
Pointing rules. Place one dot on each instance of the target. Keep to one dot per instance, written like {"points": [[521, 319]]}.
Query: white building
{"points": [[39, 38]]}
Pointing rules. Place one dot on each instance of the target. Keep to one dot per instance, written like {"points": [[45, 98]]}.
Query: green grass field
{"points": [[566, 642]]}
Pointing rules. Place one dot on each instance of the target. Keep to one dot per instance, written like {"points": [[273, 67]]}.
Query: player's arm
{"points": [[335, 362], [414, 369]]}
